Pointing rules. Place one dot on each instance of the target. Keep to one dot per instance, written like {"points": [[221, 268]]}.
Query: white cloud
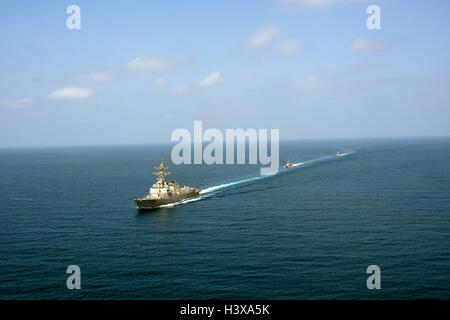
{"points": [[209, 80], [17, 103], [99, 76], [312, 83], [160, 82], [69, 93], [318, 3], [308, 3], [288, 47], [363, 44], [263, 36], [181, 88], [333, 67], [149, 63]]}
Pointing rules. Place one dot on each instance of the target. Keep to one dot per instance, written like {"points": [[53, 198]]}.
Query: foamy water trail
{"points": [[170, 205], [253, 179], [210, 191], [230, 184]]}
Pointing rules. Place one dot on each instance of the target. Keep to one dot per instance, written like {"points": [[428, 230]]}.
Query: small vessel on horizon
{"points": [[288, 165], [163, 192], [338, 154]]}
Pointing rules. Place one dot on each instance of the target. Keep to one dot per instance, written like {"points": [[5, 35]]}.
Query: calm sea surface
{"points": [[308, 232]]}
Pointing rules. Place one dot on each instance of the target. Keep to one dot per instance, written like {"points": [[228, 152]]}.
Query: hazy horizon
{"points": [[171, 143], [136, 71]]}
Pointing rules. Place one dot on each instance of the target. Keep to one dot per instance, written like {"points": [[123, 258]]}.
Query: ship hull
{"points": [[150, 204]]}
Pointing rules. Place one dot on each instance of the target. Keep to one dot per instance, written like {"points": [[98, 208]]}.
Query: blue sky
{"points": [[137, 70]]}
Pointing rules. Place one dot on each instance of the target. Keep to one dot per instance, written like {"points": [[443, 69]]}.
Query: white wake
{"points": [[208, 192]]}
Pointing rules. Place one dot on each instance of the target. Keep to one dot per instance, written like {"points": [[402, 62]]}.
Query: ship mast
{"points": [[161, 172]]}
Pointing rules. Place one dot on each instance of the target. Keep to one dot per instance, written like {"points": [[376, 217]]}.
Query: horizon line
{"points": [[172, 142]]}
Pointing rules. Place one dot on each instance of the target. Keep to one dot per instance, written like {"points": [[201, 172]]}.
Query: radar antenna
{"points": [[161, 172]]}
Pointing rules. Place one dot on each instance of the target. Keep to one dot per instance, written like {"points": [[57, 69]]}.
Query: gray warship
{"points": [[288, 165], [163, 192]]}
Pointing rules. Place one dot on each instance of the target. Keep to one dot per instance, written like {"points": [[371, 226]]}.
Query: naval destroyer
{"points": [[163, 192], [288, 165]]}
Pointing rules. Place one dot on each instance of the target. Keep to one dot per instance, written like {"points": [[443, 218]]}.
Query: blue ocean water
{"points": [[307, 233]]}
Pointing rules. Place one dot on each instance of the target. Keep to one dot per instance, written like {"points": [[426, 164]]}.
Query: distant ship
{"points": [[338, 154], [288, 165], [163, 192]]}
